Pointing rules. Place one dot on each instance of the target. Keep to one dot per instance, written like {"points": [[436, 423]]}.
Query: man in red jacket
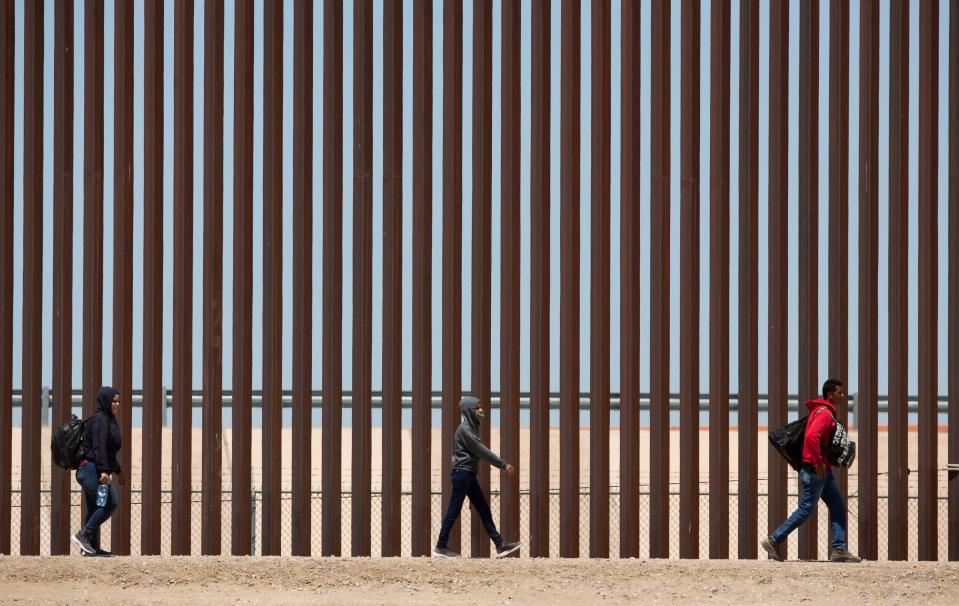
{"points": [[817, 479]]}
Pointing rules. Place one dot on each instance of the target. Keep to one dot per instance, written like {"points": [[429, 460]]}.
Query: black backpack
{"points": [[788, 441], [66, 444]]}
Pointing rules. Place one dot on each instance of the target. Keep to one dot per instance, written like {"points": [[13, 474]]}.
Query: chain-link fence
{"points": [[376, 509]]}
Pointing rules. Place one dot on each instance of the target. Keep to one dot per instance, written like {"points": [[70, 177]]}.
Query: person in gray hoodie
{"points": [[468, 449]]}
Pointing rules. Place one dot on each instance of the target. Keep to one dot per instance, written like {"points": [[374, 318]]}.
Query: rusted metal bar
{"points": [[452, 237], [480, 307], [332, 272], [778, 248], [32, 277], [953, 285], [659, 282], [599, 286], [302, 277], [539, 277], [212, 276], [928, 279], [629, 269], [748, 278], [866, 418], [7, 94], [689, 285], [272, 275], [719, 283], [808, 229], [569, 298], [153, 395], [241, 530], [63, 253], [898, 532], [392, 276], [362, 272], [510, 267], [422, 275], [122, 343], [92, 201], [182, 278]]}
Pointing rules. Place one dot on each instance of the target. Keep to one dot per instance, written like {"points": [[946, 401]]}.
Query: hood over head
{"points": [[468, 412], [105, 400]]}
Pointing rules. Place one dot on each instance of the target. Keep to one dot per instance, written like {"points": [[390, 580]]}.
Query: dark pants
{"points": [[466, 485], [89, 480], [815, 488]]}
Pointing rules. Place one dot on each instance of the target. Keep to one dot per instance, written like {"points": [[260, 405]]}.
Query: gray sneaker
{"points": [[507, 548], [771, 549], [843, 555], [82, 539], [442, 552]]}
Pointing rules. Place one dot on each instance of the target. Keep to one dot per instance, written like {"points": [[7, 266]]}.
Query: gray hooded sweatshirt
{"points": [[467, 447]]}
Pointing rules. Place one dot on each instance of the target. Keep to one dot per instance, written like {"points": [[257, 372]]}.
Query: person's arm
{"points": [[97, 432], [482, 451], [816, 430]]}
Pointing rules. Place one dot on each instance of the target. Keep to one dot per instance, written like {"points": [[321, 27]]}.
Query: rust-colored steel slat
{"points": [[719, 283], [153, 395], [689, 284], [480, 307], [182, 278], [898, 532], [748, 388], [569, 298], [362, 273], [866, 418], [392, 462], [241, 408], [539, 278], [630, 247], [510, 237], [122, 344], [7, 94], [272, 275], [808, 229], [778, 200], [953, 515], [302, 277], [332, 274], [838, 291], [452, 238], [61, 481], [212, 277], [599, 282], [928, 279], [659, 282], [32, 277], [422, 336]]}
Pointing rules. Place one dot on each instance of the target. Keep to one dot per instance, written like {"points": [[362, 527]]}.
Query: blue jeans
{"points": [[89, 480], [815, 488], [466, 485]]}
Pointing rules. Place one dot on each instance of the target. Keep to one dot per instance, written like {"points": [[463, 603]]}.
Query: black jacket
{"points": [[467, 447], [101, 434]]}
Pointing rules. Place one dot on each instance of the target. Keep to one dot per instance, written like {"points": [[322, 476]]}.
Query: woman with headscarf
{"points": [[101, 437]]}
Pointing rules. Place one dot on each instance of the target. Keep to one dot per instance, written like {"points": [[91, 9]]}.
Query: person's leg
{"points": [[461, 481], [478, 499], [837, 512], [812, 488], [90, 480]]}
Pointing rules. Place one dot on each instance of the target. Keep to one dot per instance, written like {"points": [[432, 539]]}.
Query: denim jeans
{"points": [[815, 488], [466, 485], [89, 480]]}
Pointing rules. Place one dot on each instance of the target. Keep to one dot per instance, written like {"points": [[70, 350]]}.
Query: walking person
{"points": [[467, 450], [101, 437], [817, 479]]}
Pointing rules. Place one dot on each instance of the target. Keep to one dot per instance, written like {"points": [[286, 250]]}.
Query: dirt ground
{"points": [[228, 580]]}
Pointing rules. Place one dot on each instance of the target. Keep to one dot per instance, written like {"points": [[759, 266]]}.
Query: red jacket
{"points": [[819, 427]]}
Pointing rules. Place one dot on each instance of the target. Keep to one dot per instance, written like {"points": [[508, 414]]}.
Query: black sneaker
{"points": [[442, 552], [771, 549], [99, 553], [507, 548], [82, 539], [843, 555]]}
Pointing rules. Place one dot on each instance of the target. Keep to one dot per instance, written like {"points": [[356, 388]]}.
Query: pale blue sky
{"points": [[80, 296]]}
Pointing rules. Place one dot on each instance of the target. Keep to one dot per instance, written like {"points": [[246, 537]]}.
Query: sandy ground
{"points": [[140, 580]]}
